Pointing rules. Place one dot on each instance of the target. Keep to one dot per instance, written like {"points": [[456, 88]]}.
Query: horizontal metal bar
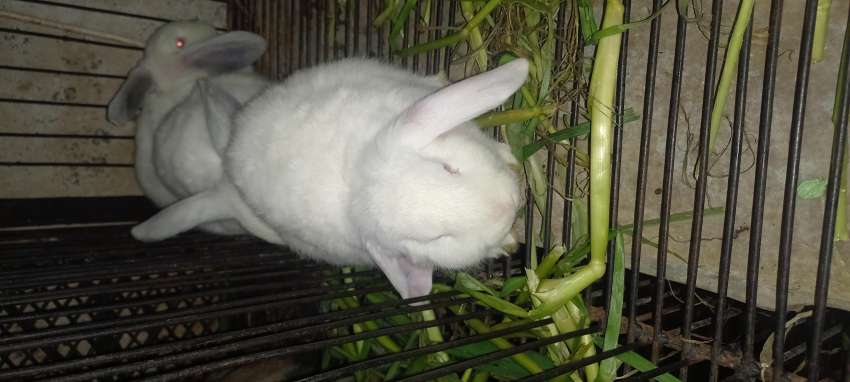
{"points": [[570, 366], [393, 357], [134, 324], [51, 103], [279, 338], [218, 338], [499, 354]]}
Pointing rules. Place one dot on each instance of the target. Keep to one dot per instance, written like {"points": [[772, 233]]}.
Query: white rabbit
{"points": [[358, 162], [183, 93]]}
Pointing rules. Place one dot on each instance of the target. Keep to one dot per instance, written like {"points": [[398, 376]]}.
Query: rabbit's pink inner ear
{"points": [[127, 102], [225, 53], [409, 279], [455, 104]]}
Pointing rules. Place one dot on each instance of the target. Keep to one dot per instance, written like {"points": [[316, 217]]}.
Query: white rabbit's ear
{"points": [[224, 53], [219, 108], [455, 104], [409, 279], [127, 102]]}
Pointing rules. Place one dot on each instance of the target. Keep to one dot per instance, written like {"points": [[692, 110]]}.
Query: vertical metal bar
{"points": [[667, 187], [356, 15], [643, 166], [303, 52], [346, 27], [447, 58], [291, 59], [702, 180], [414, 31], [550, 154], [438, 23], [529, 228], [381, 38], [370, 5], [839, 143], [795, 142], [566, 227], [731, 199], [278, 32]]}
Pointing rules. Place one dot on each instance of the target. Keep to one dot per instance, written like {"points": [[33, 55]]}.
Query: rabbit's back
{"points": [[294, 148]]}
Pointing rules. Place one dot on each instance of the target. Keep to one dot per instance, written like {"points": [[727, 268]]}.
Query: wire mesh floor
{"points": [[91, 303]]}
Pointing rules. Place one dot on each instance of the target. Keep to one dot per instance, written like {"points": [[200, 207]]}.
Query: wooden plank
{"points": [[66, 150], [52, 181], [52, 119], [20, 50], [57, 88]]}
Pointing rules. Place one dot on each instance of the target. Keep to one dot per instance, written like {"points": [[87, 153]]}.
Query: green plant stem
{"points": [[601, 102], [476, 42], [481, 376], [452, 39], [730, 67], [821, 27]]}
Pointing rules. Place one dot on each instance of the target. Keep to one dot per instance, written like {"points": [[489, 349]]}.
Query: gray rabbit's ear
{"points": [[224, 53], [127, 102]]}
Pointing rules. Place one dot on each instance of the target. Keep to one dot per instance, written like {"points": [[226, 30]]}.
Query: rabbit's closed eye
{"points": [[451, 170]]}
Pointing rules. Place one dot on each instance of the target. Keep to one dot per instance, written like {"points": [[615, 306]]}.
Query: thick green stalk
{"points": [[821, 26], [476, 42], [601, 103], [730, 67]]}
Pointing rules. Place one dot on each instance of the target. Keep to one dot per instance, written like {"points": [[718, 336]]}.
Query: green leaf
{"points": [[587, 21], [506, 367], [465, 282], [511, 285], [608, 367], [640, 363], [499, 304], [811, 188], [624, 27]]}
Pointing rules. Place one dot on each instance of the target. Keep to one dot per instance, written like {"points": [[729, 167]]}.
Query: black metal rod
{"points": [[792, 172], [335, 374], [266, 340], [643, 168], [731, 199], [569, 187], [667, 182], [575, 365], [93, 329], [836, 164], [650, 374], [695, 244], [483, 359]]}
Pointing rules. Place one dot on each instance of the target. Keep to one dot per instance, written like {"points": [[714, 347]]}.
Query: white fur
{"points": [[345, 163]]}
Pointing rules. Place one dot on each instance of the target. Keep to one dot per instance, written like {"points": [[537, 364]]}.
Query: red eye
{"points": [[180, 42]]}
